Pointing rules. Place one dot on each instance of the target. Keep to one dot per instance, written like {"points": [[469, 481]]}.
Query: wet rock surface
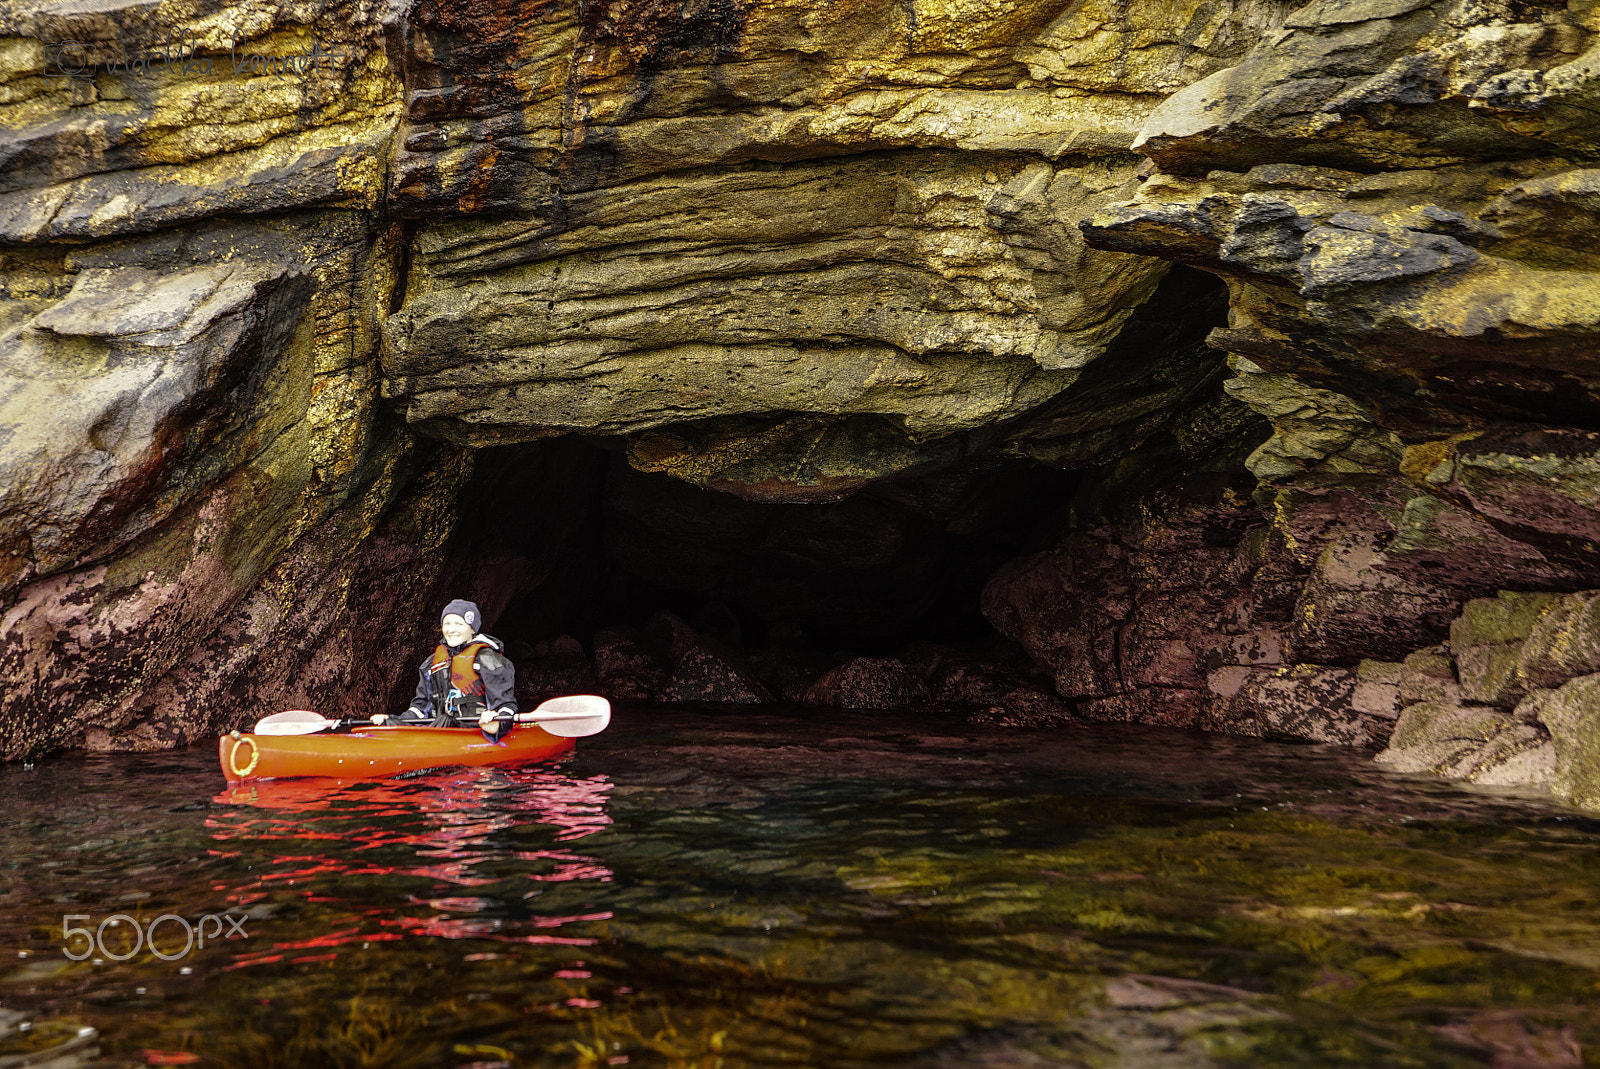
{"points": [[626, 669]]}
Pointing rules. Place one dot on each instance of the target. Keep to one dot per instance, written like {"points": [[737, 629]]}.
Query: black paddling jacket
{"points": [[479, 673]]}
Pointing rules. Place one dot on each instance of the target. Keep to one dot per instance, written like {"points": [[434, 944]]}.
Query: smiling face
{"points": [[456, 630]]}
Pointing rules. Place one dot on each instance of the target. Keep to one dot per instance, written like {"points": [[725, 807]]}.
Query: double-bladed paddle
{"points": [[571, 717]]}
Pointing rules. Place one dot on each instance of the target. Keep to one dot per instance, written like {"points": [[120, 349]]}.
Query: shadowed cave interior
{"points": [[894, 563]]}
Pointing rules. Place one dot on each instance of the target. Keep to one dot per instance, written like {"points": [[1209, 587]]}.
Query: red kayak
{"points": [[297, 743], [378, 751]]}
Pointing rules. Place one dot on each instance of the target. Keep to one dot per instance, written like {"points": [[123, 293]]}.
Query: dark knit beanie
{"points": [[467, 610]]}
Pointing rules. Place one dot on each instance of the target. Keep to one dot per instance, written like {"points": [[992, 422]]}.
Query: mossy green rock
{"points": [[1428, 675], [1489, 674], [1487, 640], [1472, 743], [1507, 617], [1564, 643], [1429, 723], [1572, 714]]}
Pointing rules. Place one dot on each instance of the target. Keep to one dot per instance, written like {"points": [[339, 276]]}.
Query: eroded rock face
{"points": [[96, 389], [845, 262], [199, 512], [1365, 178]]}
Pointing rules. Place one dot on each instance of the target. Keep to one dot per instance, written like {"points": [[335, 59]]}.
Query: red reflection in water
{"points": [[458, 813]]}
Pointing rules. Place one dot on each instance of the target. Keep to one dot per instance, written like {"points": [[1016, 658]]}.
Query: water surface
{"points": [[701, 889]]}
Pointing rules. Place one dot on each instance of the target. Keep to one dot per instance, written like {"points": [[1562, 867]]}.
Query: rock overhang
{"points": [[624, 236]]}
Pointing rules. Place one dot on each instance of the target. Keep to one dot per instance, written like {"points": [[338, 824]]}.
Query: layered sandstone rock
{"points": [[838, 240], [200, 510]]}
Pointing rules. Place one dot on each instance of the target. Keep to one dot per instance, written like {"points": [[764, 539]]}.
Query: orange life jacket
{"points": [[463, 671]]}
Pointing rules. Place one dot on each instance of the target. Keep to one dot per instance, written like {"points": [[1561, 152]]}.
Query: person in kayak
{"points": [[467, 676]]}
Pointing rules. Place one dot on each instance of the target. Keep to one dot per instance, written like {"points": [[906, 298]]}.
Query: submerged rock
{"points": [[1510, 1038]]}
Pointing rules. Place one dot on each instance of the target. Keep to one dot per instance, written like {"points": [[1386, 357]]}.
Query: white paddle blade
{"points": [[571, 717], [292, 722]]}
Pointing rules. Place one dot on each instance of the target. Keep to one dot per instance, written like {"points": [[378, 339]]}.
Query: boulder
{"points": [[1445, 727], [1377, 689], [1065, 608], [1564, 643], [1177, 707], [626, 668], [1487, 640], [868, 683], [931, 661], [968, 682], [1311, 702], [703, 669], [788, 671], [1520, 756], [1428, 675], [1505, 619], [998, 694], [1356, 605], [703, 676], [552, 668], [1025, 707], [1489, 675], [1469, 742], [1572, 714]]}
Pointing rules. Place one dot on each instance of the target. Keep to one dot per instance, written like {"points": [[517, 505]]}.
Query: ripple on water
{"points": [[701, 890]]}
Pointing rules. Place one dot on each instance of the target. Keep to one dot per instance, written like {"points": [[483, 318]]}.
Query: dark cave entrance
{"points": [[579, 541]]}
